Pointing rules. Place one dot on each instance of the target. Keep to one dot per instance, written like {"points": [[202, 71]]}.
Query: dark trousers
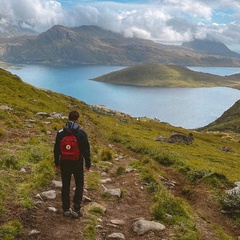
{"points": [[69, 168]]}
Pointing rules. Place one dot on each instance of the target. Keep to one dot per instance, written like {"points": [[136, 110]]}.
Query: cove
{"points": [[185, 107]]}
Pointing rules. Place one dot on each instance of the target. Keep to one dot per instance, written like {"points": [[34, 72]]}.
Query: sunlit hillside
{"points": [[200, 170]]}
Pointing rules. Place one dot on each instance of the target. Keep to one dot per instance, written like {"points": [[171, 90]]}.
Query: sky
{"points": [[164, 21]]}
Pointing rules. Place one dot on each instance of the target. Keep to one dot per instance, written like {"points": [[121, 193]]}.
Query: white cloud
{"points": [[37, 14], [165, 20]]}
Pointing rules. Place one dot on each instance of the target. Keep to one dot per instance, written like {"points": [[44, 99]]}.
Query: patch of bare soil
{"points": [[134, 204]]}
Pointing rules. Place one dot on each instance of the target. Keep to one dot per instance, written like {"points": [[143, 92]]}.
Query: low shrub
{"points": [[120, 171], [106, 155], [11, 230], [92, 180], [164, 159], [9, 162], [231, 202], [43, 172]]}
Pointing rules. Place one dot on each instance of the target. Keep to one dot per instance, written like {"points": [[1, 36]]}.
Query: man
{"points": [[72, 167]]}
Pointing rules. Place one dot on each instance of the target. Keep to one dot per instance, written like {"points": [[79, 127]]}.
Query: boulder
{"points": [[142, 226]]}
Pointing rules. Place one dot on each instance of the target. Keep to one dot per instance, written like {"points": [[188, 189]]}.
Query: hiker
{"points": [[68, 159]]}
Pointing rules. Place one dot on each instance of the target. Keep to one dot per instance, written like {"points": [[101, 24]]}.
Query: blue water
{"points": [[185, 107]]}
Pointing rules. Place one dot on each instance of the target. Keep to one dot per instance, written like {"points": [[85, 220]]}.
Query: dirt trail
{"points": [[135, 203]]}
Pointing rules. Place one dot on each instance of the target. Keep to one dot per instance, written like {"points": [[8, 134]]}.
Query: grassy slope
{"points": [[166, 76], [229, 121], [29, 144]]}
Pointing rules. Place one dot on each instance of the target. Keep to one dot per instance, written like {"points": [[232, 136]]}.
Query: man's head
{"points": [[73, 116]]}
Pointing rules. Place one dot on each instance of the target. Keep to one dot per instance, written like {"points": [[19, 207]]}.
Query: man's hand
{"points": [[58, 168]]}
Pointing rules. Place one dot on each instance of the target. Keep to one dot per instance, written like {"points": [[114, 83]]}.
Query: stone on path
{"points": [[116, 236], [114, 192], [33, 232], [142, 226], [57, 184], [117, 222], [51, 194]]}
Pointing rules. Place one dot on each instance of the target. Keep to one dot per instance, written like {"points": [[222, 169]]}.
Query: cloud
{"points": [[37, 15], [162, 20]]}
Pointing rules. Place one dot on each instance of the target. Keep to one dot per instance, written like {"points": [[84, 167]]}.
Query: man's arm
{"points": [[56, 150], [85, 149]]}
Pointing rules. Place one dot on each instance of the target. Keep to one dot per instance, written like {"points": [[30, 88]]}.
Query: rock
{"points": [[23, 170], [52, 209], [56, 115], [108, 180], [39, 196], [57, 184], [86, 199], [51, 194], [177, 138], [116, 236], [118, 158], [180, 138], [112, 225], [142, 226], [99, 226], [38, 203], [114, 192], [4, 107], [235, 190], [227, 149], [31, 120], [128, 170], [44, 114], [33, 232], [117, 222]]}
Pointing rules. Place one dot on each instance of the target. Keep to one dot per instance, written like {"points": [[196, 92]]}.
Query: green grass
{"points": [[11, 230], [29, 145]]}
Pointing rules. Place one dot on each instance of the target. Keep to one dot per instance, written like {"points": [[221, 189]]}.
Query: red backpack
{"points": [[69, 147]]}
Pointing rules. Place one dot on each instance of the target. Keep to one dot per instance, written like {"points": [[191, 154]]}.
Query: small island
{"points": [[159, 75]]}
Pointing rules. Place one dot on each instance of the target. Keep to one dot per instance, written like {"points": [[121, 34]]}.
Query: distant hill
{"points": [[229, 121], [211, 48], [159, 75], [93, 45]]}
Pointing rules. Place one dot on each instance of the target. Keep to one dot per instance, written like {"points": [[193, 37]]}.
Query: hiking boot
{"points": [[76, 214], [67, 213]]}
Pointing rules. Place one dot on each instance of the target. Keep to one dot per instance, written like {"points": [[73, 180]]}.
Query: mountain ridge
{"points": [[205, 46], [93, 45]]}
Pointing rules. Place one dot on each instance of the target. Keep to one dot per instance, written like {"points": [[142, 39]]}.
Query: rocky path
{"points": [[115, 223], [121, 213]]}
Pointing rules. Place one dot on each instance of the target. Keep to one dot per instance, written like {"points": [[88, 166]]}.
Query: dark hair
{"points": [[73, 116]]}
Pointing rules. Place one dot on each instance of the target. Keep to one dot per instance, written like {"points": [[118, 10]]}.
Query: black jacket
{"points": [[82, 142]]}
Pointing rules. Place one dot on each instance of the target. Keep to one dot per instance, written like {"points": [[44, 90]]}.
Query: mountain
{"points": [[229, 121], [93, 45], [159, 75], [211, 48]]}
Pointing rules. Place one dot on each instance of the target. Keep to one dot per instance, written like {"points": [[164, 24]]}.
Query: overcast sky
{"points": [[166, 21]]}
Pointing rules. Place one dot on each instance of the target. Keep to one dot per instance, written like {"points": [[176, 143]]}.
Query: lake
{"points": [[186, 107]]}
